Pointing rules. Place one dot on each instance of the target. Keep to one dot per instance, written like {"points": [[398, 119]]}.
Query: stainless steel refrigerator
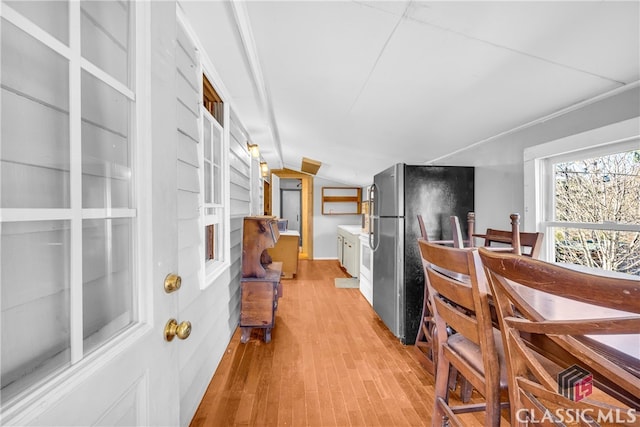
{"points": [[397, 196]]}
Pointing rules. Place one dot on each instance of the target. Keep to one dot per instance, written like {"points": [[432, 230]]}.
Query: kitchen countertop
{"points": [[289, 233], [352, 229], [356, 230]]}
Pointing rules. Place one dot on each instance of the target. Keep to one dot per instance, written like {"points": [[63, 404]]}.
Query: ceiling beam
{"points": [[243, 24]]}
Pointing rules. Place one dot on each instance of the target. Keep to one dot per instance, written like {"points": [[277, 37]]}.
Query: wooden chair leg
{"points": [[441, 391], [466, 389], [453, 378]]}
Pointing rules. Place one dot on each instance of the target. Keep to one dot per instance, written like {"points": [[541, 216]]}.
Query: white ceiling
{"points": [[360, 85]]}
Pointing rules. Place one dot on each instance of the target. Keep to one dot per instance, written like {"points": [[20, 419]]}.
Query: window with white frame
{"points": [[587, 203], [212, 175], [68, 212], [212, 186]]}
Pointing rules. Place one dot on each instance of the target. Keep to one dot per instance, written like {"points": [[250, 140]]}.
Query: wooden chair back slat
{"points": [[518, 240], [616, 325], [498, 236], [458, 320], [455, 261], [451, 289]]}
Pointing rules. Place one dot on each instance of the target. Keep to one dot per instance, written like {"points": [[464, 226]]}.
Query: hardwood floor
{"points": [[331, 362]]}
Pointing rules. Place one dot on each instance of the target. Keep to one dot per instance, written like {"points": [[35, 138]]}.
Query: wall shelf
{"points": [[341, 200]]}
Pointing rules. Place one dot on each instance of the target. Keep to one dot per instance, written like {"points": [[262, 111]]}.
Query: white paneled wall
{"points": [[213, 309], [239, 170]]}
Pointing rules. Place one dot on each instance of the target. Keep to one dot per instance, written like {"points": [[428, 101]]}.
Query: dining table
{"points": [[623, 349]]}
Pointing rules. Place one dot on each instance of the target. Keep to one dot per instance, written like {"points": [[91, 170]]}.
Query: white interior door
{"points": [[88, 214]]}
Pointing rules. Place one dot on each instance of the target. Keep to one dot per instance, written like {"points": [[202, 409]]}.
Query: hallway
{"points": [[331, 362]]}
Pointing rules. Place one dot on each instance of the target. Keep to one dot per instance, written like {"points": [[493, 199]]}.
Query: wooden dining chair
{"points": [[458, 296], [456, 239], [552, 371], [424, 346], [522, 242], [456, 230]]}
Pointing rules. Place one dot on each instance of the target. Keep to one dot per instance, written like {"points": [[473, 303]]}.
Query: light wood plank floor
{"points": [[331, 362]]}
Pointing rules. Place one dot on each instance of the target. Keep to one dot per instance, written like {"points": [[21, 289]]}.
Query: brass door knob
{"points": [[172, 328], [172, 283]]}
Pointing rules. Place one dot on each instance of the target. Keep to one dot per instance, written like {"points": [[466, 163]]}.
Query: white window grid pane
{"points": [[74, 214], [593, 234], [106, 145], [35, 123], [212, 160], [207, 183], [108, 276], [36, 292], [207, 135], [598, 189], [106, 37], [609, 249], [217, 185], [213, 216], [50, 16]]}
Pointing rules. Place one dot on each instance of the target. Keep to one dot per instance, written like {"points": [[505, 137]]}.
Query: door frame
{"points": [[306, 212]]}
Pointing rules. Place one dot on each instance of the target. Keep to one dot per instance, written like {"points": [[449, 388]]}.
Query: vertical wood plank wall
{"points": [[213, 309]]}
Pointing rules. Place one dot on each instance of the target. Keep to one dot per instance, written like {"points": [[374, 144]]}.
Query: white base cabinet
{"points": [[349, 249]]}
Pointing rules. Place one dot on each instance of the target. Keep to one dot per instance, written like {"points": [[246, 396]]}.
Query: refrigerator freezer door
{"points": [[387, 261], [436, 193], [389, 192]]}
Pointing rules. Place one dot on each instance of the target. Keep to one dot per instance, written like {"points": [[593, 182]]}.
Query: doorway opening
{"points": [[291, 205], [306, 206]]}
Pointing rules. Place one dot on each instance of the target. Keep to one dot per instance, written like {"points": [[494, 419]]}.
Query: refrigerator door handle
{"points": [[372, 233]]}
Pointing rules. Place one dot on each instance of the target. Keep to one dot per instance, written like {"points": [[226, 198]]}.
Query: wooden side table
{"points": [[259, 301]]}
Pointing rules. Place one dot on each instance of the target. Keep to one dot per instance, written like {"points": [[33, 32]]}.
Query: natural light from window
{"points": [[597, 197]]}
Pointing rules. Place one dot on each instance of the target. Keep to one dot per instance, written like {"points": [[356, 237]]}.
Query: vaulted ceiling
{"points": [[360, 85]]}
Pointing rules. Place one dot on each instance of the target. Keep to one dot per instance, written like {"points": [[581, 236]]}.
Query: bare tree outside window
{"points": [[599, 191]]}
